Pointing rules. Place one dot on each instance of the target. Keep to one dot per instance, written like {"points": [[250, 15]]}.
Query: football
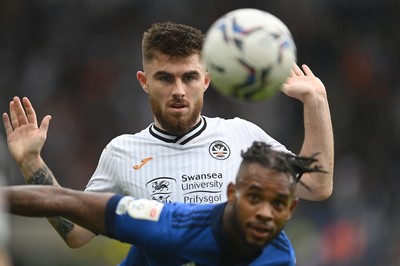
{"points": [[249, 54]]}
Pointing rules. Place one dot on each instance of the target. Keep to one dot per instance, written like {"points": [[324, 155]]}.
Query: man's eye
{"points": [[189, 78], [165, 78], [279, 204], [253, 198]]}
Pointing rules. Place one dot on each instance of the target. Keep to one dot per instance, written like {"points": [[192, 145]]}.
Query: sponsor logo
{"points": [[197, 188], [161, 188], [219, 150], [160, 185], [202, 188], [145, 209], [201, 177], [202, 197], [142, 162]]}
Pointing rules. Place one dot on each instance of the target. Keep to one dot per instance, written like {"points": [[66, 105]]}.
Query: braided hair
{"points": [[296, 166]]}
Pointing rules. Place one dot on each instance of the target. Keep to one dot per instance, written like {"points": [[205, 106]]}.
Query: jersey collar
{"points": [[181, 139]]}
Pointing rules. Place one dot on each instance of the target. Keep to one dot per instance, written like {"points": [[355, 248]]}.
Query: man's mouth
{"points": [[261, 231], [178, 105]]}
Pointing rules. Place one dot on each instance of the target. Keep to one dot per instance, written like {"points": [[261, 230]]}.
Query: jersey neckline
{"points": [[181, 139]]}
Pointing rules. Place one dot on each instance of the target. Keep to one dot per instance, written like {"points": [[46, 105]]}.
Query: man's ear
{"points": [[292, 206], [231, 193], [141, 77], [207, 81]]}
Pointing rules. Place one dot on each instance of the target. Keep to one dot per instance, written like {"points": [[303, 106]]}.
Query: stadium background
{"points": [[77, 60]]}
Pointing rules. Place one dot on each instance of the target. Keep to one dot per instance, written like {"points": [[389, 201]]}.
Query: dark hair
{"points": [[171, 39], [296, 166]]}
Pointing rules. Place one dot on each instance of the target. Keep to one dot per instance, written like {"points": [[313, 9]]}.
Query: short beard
{"points": [[235, 226], [176, 125]]}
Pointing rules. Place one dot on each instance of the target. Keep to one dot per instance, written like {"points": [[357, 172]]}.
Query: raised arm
{"points": [[25, 141], [86, 209], [318, 133]]}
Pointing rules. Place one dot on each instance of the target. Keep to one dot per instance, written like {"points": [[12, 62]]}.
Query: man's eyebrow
{"points": [[165, 73], [283, 195], [193, 72], [256, 188], [161, 73]]}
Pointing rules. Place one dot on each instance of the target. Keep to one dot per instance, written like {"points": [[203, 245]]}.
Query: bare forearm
{"points": [[36, 172], [85, 209], [318, 138]]}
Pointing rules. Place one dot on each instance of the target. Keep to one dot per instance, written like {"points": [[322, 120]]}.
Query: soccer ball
{"points": [[249, 54]]}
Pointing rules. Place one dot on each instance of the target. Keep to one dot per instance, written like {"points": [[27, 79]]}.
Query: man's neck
{"points": [[171, 131], [237, 249]]}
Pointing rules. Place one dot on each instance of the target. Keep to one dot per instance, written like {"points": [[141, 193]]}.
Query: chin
{"points": [[256, 245]]}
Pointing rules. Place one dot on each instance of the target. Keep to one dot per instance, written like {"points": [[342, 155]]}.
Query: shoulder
{"points": [[237, 127], [189, 215], [231, 122], [132, 136], [242, 131], [282, 242], [124, 140]]}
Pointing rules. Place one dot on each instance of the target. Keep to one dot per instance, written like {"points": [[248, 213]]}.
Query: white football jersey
{"points": [[193, 168]]}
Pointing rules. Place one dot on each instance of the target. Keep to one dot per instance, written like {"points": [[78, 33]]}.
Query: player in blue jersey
{"points": [[182, 156], [233, 233]]}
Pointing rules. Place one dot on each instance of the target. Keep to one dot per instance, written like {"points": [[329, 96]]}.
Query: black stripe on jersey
{"points": [[193, 219], [155, 132], [197, 133], [182, 139]]}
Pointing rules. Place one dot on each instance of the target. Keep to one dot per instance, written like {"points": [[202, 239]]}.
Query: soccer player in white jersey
{"points": [[182, 155]]}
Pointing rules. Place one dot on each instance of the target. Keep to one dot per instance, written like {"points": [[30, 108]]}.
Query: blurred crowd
{"points": [[77, 60]]}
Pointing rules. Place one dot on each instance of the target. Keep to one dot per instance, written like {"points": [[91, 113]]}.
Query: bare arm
{"points": [[73, 235], [318, 131], [86, 209], [25, 141]]}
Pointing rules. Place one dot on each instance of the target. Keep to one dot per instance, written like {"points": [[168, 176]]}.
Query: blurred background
{"points": [[77, 61]]}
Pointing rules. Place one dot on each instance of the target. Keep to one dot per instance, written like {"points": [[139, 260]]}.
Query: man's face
{"points": [[175, 86], [262, 202]]}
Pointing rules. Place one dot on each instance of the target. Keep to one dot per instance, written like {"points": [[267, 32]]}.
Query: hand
{"points": [[301, 85], [25, 140]]}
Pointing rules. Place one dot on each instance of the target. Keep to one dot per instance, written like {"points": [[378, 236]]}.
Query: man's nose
{"points": [[265, 211], [179, 89]]}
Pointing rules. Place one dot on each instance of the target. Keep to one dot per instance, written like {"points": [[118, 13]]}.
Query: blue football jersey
{"points": [[181, 234]]}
